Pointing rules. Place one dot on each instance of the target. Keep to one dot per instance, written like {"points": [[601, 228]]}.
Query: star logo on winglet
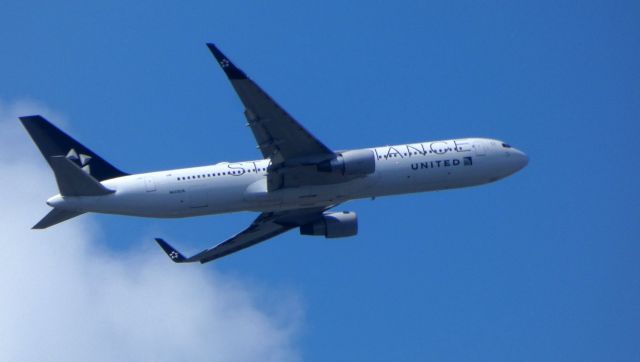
{"points": [[173, 255], [224, 63]]}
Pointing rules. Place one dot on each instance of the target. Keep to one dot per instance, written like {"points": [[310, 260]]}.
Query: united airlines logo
{"points": [[466, 161], [81, 160]]}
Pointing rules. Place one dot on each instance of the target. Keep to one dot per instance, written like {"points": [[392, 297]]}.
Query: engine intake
{"points": [[351, 163], [333, 225]]}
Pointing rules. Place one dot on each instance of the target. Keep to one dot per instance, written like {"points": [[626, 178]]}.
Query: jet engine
{"points": [[350, 163], [333, 225]]}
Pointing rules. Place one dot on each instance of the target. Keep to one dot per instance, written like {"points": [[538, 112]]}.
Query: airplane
{"points": [[295, 185]]}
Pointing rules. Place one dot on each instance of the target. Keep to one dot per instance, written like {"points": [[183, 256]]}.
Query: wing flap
{"points": [[242, 241]]}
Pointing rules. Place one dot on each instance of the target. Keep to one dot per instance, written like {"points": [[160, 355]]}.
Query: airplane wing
{"points": [[279, 136], [265, 226]]}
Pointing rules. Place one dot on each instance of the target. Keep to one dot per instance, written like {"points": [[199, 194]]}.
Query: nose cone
{"points": [[519, 159]]}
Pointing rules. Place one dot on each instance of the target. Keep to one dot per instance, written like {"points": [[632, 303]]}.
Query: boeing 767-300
{"points": [[295, 185]]}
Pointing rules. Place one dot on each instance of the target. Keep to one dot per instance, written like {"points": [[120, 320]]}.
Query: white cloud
{"points": [[65, 298]]}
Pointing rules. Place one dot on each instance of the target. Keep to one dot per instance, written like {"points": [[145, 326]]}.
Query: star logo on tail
{"points": [[81, 159]]}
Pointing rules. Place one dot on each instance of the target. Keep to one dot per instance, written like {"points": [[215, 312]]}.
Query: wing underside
{"points": [[264, 227]]}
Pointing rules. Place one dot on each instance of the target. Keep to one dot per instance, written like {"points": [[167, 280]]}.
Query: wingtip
{"points": [[215, 51], [38, 226], [171, 252], [227, 66], [31, 118]]}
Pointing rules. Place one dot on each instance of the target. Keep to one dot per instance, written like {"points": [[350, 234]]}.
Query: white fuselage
{"points": [[242, 186]]}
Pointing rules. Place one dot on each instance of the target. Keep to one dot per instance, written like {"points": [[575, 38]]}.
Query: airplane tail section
{"points": [[77, 169], [74, 181], [54, 143], [56, 216]]}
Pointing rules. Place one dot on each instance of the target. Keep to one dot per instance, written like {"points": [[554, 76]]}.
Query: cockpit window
{"points": [[506, 145]]}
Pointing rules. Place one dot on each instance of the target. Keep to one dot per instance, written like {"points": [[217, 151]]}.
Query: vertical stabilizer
{"points": [[53, 142]]}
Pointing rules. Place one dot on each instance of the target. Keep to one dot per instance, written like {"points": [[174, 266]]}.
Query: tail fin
{"points": [[56, 216], [53, 142]]}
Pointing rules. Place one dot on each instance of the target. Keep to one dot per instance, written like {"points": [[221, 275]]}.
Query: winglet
{"points": [[229, 68], [171, 252]]}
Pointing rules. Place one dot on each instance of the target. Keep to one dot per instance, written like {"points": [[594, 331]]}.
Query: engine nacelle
{"points": [[351, 163], [333, 225]]}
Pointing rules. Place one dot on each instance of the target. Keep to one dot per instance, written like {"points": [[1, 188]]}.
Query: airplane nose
{"points": [[520, 159]]}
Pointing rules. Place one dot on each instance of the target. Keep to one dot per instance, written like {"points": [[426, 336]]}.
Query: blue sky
{"points": [[540, 266]]}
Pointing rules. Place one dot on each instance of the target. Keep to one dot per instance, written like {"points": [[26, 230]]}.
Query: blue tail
{"points": [[53, 142]]}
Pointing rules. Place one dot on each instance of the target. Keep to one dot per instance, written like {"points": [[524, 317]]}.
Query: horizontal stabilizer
{"points": [[56, 216], [74, 181]]}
